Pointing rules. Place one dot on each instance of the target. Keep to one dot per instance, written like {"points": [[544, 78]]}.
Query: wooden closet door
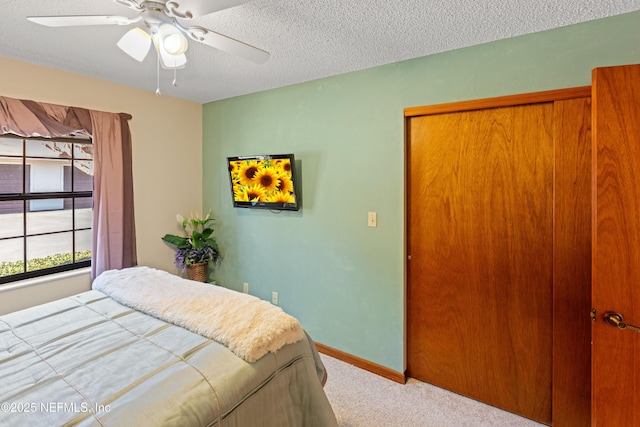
{"points": [[616, 245], [480, 241], [571, 382]]}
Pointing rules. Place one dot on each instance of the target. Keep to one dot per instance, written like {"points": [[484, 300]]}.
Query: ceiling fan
{"points": [[161, 27]]}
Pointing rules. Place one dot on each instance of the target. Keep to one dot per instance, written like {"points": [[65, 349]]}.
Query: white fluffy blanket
{"points": [[248, 326]]}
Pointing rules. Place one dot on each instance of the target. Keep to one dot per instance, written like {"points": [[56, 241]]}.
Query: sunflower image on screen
{"points": [[263, 182]]}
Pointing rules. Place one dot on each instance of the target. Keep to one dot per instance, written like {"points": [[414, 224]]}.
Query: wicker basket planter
{"points": [[198, 272]]}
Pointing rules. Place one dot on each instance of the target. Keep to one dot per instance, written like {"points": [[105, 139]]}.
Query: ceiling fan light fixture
{"points": [[175, 44], [172, 40], [167, 60], [135, 43]]}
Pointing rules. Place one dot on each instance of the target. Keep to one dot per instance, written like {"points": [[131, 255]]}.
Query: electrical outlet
{"points": [[274, 298], [245, 288]]}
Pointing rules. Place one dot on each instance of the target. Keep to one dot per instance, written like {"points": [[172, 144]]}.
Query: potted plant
{"points": [[196, 249]]}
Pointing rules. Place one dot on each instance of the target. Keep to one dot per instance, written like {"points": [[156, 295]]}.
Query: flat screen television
{"points": [[264, 182]]}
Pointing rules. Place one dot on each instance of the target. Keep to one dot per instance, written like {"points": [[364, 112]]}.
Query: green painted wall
{"points": [[342, 279]]}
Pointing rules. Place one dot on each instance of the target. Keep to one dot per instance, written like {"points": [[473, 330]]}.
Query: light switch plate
{"points": [[372, 219]]}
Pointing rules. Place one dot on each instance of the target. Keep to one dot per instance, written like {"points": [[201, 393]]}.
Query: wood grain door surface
{"points": [[616, 248], [480, 237], [571, 380]]}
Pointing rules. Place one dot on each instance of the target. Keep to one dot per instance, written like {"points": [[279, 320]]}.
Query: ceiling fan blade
{"points": [[80, 20], [227, 44], [187, 9], [135, 43]]}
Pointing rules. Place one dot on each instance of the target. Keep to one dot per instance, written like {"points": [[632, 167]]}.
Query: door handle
{"points": [[616, 319]]}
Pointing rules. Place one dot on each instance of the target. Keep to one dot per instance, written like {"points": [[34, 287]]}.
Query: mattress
{"points": [[89, 360]]}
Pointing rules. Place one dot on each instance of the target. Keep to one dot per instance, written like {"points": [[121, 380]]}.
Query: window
{"points": [[46, 199]]}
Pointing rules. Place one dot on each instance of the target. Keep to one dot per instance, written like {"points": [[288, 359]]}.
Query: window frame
{"points": [[24, 197]]}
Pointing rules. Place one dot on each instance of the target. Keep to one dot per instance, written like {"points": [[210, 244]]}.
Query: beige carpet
{"points": [[362, 399]]}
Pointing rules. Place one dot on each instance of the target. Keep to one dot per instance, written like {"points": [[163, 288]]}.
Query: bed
{"points": [[128, 352]]}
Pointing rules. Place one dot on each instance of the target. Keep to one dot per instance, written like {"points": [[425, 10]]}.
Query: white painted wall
{"points": [[27, 293]]}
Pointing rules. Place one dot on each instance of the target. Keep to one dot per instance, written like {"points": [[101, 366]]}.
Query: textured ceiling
{"points": [[307, 39]]}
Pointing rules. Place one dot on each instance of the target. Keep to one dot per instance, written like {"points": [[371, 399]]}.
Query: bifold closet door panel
{"points": [[480, 238]]}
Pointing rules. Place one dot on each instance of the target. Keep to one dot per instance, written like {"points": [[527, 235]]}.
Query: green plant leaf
{"points": [[179, 242], [212, 243]]}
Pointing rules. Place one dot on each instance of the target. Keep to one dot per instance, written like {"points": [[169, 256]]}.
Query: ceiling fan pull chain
{"points": [[158, 75], [175, 79]]}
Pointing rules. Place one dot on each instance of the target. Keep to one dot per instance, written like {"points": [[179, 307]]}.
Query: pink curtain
{"points": [[114, 245]]}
